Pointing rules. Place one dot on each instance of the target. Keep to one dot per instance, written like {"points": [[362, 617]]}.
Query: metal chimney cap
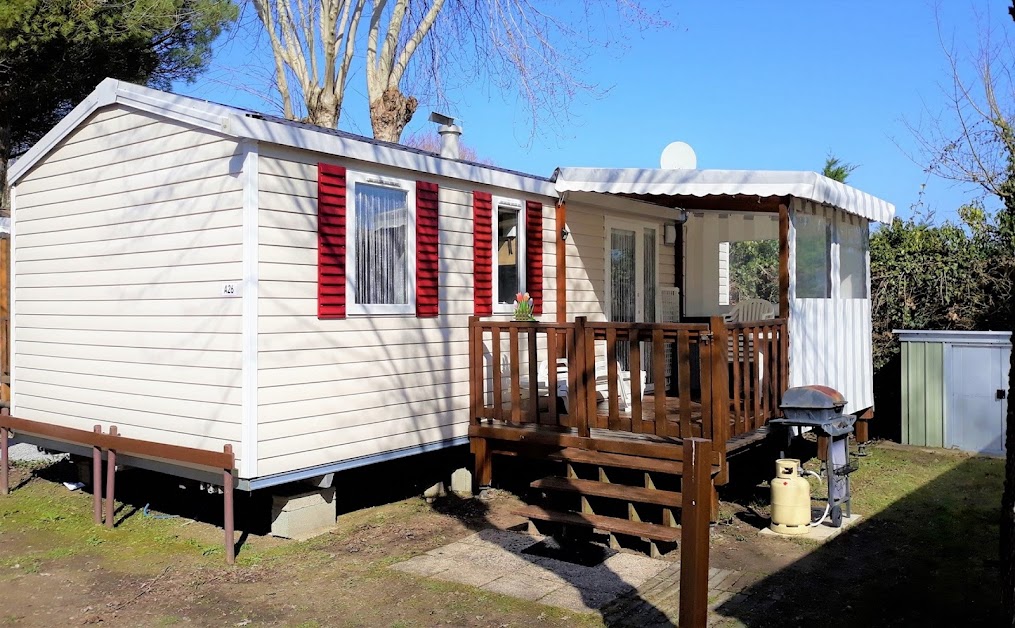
{"points": [[441, 119]]}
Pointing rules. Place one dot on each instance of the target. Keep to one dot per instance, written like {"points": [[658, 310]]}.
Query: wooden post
{"points": [[720, 395], [561, 260], [578, 378], [5, 479], [475, 370], [696, 491], [110, 482], [484, 470], [97, 480], [783, 261], [227, 498], [862, 425]]}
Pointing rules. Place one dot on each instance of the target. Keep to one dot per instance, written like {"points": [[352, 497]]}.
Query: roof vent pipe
{"points": [[449, 132]]}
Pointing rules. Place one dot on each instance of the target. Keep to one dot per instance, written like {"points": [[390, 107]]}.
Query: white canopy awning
{"points": [[762, 183]]}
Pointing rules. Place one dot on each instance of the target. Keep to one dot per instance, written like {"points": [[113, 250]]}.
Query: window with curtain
{"points": [[813, 256], [381, 258], [853, 246], [509, 252]]}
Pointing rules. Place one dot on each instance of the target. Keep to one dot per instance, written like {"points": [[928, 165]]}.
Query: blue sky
{"points": [[750, 85]]}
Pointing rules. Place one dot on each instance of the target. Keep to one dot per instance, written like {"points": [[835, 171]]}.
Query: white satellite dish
{"points": [[678, 156]]}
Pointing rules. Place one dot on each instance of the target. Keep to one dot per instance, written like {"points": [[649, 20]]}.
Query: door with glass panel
{"points": [[631, 277]]}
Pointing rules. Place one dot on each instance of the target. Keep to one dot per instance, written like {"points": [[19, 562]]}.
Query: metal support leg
{"points": [[5, 480], [227, 523], [111, 483], [97, 480]]}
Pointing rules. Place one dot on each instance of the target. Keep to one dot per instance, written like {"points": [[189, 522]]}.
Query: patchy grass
{"points": [[925, 553]]}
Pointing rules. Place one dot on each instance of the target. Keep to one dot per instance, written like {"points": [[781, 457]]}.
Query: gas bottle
{"points": [[791, 498]]}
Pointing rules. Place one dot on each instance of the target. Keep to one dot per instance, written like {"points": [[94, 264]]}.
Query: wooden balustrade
{"points": [[715, 382], [759, 358]]}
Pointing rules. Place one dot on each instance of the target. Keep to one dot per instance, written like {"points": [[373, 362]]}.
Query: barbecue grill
{"points": [[820, 408]]}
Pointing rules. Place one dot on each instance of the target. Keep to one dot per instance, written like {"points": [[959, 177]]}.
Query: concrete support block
{"points": [[303, 515], [461, 483], [435, 491]]}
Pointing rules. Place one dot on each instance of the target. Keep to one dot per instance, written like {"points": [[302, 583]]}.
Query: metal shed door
{"points": [[977, 377]]}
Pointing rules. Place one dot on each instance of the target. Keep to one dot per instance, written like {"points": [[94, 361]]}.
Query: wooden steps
{"points": [[638, 529], [621, 492], [605, 459]]}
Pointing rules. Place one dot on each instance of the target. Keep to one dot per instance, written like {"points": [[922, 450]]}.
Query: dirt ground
{"points": [[925, 554]]}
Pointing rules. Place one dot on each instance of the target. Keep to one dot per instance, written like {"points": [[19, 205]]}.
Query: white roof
{"points": [[241, 124], [805, 185]]}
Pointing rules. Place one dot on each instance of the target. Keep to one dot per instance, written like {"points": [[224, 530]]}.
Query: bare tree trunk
{"points": [[390, 113]]}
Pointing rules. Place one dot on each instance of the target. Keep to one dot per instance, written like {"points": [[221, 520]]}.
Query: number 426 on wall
{"points": [[230, 290]]}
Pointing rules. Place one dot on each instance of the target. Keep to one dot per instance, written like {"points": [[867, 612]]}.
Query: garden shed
{"points": [[955, 389]]}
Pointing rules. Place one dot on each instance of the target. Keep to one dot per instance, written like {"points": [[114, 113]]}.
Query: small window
{"points": [[852, 237], [509, 252], [813, 256], [381, 245]]}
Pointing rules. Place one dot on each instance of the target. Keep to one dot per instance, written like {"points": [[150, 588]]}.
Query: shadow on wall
{"points": [[928, 559]]}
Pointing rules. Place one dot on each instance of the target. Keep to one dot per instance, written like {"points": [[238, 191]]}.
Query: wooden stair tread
{"points": [[609, 524], [623, 461], [613, 491]]}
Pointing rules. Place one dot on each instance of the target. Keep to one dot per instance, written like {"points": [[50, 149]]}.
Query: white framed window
{"points": [[508, 252], [380, 244]]}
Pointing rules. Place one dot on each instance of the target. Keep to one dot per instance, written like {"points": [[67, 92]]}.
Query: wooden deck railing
{"points": [[725, 380], [759, 358]]}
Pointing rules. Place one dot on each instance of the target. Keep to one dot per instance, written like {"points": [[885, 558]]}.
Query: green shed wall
{"points": [[923, 394]]}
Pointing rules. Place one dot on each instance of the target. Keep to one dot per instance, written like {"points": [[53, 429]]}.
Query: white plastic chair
{"points": [[751, 310]]}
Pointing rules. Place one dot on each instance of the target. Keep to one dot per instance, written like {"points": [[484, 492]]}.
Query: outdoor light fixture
{"points": [[669, 234], [564, 233]]}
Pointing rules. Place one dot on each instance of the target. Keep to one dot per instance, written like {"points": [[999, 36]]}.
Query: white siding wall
{"points": [[123, 238], [331, 390], [586, 256], [830, 339], [703, 233]]}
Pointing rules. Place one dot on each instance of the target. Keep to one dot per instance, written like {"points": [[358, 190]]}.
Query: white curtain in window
{"points": [[381, 232]]}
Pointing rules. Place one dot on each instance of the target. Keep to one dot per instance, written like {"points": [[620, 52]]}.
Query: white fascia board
{"points": [[198, 113], [13, 301], [191, 111], [1003, 338], [104, 94], [249, 295], [308, 139]]}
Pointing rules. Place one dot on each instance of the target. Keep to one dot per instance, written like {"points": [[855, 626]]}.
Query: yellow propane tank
{"points": [[791, 498]]}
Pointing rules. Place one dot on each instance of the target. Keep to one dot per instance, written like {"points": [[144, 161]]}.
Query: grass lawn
{"points": [[926, 553]]}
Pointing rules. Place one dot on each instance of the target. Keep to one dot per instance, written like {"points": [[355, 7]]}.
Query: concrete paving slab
{"points": [[578, 600], [424, 565], [523, 588], [507, 540], [469, 574], [822, 533]]}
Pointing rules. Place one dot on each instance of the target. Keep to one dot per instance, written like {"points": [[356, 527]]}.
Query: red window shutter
{"points": [[534, 254], [427, 255], [330, 241], [482, 256]]}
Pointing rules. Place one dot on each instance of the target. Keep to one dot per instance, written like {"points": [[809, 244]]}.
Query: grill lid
{"points": [[812, 397]]}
